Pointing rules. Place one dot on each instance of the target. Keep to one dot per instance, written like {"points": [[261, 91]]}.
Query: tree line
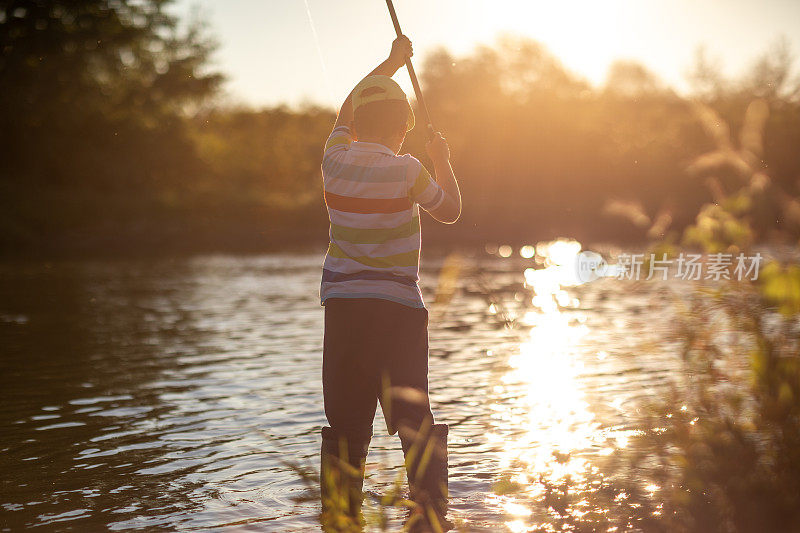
{"points": [[114, 141]]}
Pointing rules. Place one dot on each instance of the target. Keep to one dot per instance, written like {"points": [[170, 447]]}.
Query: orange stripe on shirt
{"points": [[366, 205]]}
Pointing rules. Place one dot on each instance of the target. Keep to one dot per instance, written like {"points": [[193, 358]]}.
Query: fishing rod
{"points": [[426, 118]]}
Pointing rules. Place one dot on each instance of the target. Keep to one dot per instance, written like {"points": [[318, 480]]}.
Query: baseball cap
{"points": [[379, 88]]}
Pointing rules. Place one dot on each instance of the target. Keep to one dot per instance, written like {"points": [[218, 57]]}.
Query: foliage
{"points": [[114, 142], [92, 114], [724, 448], [271, 156], [539, 152]]}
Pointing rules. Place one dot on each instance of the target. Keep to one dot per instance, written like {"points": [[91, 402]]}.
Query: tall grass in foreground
{"points": [[724, 447], [721, 453], [379, 509]]}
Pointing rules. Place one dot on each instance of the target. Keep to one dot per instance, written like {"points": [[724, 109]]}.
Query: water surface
{"points": [[180, 394]]}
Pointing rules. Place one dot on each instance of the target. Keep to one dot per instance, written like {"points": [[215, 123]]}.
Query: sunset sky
{"points": [[270, 54]]}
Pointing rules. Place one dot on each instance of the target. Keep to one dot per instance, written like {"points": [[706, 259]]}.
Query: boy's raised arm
{"points": [[401, 50], [450, 209]]}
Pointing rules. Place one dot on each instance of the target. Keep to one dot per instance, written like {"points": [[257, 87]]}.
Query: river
{"points": [[185, 394]]}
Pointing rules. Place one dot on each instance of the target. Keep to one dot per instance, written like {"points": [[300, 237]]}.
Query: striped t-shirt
{"points": [[373, 198]]}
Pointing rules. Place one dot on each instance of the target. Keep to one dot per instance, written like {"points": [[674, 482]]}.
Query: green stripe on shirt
{"points": [[375, 236], [405, 259], [420, 184], [335, 141]]}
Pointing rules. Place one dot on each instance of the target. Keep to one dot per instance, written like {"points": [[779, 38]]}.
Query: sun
{"points": [[587, 36]]}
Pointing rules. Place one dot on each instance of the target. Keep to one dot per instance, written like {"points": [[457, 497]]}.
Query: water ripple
{"points": [[174, 394]]}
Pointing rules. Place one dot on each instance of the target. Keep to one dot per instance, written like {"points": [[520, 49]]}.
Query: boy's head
{"points": [[381, 112]]}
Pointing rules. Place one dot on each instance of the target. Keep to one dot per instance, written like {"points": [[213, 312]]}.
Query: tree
{"points": [[630, 79], [93, 98], [77, 73]]}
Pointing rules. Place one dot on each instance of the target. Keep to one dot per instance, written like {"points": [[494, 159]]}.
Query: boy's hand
{"points": [[401, 51], [437, 147]]}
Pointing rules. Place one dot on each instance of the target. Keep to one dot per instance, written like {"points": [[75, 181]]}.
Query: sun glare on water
{"points": [[548, 410]]}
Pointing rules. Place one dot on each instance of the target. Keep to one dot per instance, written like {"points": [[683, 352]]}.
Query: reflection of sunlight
{"points": [[517, 526], [551, 408], [527, 251], [516, 509], [560, 260], [559, 252], [547, 415]]}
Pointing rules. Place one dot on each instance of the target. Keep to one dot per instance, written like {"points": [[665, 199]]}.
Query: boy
{"points": [[376, 339]]}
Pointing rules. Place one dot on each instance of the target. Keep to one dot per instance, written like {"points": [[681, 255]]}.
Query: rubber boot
{"points": [[425, 451], [342, 461]]}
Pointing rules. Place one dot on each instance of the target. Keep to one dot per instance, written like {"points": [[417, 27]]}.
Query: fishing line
{"points": [[319, 53]]}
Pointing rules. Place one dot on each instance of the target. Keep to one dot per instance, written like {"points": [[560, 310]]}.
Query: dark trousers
{"points": [[375, 350]]}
